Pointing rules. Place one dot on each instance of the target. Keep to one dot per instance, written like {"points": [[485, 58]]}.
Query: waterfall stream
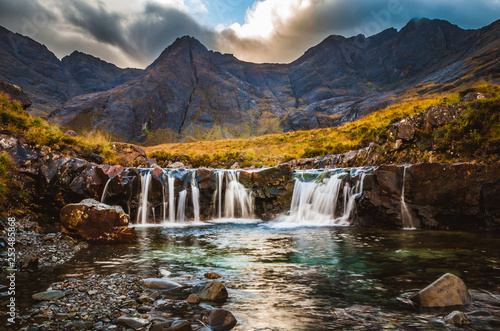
{"points": [[406, 216], [142, 211], [238, 200], [316, 196]]}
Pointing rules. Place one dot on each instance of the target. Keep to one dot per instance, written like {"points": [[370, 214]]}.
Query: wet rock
{"points": [[180, 325], [159, 284], [447, 291], [193, 299], [49, 295], [457, 318], [213, 291], [95, 221], [145, 299], [29, 262], [132, 322], [212, 275], [221, 320]]}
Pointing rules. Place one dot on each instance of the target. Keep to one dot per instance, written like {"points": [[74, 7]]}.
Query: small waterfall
{"points": [[168, 191], [406, 216], [181, 207], [238, 200], [105, 191], [195, 194], [142, 211], [316, 197]]}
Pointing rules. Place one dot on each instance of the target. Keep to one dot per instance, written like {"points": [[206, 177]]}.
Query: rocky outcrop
{"points": [[447, 291], [444, 196], [94, 221], [16, 94]]}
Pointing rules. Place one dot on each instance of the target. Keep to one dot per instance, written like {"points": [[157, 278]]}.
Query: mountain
{"points": [[191, 93], [50, 82]]}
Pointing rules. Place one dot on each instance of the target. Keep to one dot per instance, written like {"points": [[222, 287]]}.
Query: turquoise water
{"points": [[299, 279]]}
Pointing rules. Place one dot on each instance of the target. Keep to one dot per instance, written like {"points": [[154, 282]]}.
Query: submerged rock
{"points": [[132, 322], [212, 275], [457, 318], [159, 284], [221, 320], [49, 295], [447, 291], [95, 221], [193, 299], [213, 291], [180, 325]]}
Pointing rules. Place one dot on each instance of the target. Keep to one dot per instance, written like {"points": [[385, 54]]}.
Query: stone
{"points": [[213, 291], [145, 299], [95, 221], [193, 299], [159, 284], [49, 295], [212, 275], [71, 133], [447, 291], [221, 320], [87, 325], [179, 325], [29, 262], [130, 155], [456, 318], [132, 322], [473, 96], [176, 165]]}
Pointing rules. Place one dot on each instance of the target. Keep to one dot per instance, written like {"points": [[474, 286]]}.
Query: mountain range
{"points": [[191, 93]]}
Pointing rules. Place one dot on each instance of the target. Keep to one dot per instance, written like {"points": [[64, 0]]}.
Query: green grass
{"points": [[16, 122]]}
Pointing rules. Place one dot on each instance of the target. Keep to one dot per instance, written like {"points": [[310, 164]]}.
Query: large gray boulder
{"points": [[447, 291]]}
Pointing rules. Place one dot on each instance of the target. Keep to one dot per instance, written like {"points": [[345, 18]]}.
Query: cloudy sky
{"points": [[134, 32]]}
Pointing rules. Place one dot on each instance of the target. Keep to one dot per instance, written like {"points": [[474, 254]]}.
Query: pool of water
{"points": [[297, 279]]}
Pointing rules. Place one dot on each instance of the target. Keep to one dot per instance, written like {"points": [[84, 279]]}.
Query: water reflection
{"points": [[294, 279]]}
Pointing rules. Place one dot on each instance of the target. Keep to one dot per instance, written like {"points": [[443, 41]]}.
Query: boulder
{"points": [[447, 291], [159, 284], [132, 322], [16, 94], [220, 320], [474, 96], [95, 221], [213, 291], [71, 133], [130, 155], [49, 295]]}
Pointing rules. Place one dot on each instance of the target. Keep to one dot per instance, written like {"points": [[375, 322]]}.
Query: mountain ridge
{"points": [[192, 93]]}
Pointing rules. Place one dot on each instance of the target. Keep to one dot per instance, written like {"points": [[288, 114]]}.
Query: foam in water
{"points": [[316, 196], [238, 200]]}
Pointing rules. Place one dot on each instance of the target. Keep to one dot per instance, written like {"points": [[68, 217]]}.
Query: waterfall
{"points": [[195, 194], [238, 200], [406, 216], [105, 191], [142, 211], [181, 206], [167, 183], [316, 195]]}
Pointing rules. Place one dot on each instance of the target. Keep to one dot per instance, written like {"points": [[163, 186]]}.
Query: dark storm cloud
{"points": [[158, 26], [104, 26], [137, 37]]}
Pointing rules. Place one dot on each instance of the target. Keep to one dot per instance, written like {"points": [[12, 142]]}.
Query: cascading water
{"points": [[238, 200], [195, 194], [316, 196], [181, 206], [142, 211], [406, 216], [105, 191]]}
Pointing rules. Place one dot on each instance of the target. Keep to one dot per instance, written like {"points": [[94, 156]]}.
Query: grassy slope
{"points": [[275, 148]]}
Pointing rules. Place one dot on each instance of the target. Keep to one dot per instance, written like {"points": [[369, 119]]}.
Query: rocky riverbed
{"points": [[124, 302]]}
